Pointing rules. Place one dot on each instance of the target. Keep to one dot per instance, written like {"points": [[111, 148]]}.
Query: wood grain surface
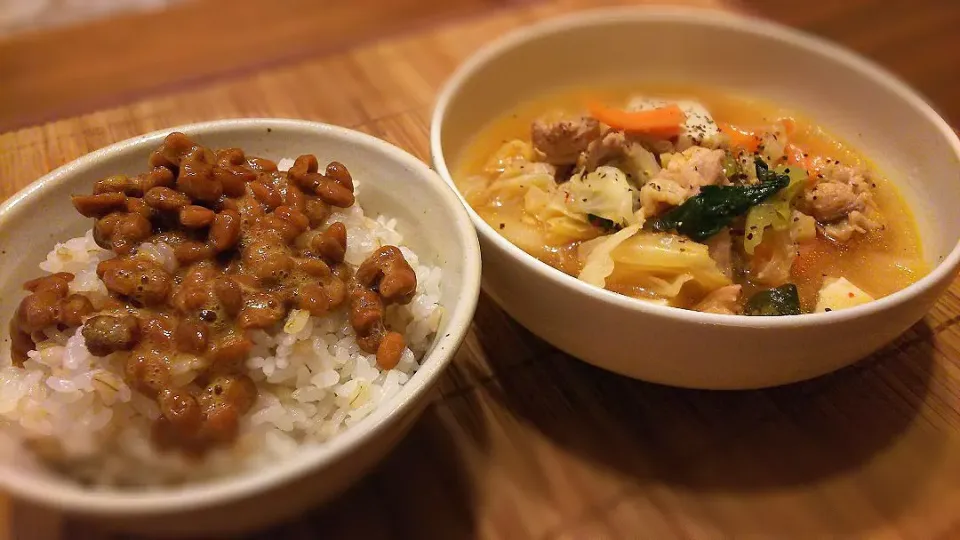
{"points": [[188, 45], [526, 442]]}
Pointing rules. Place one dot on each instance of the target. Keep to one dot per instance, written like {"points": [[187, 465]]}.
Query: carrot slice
{"points": [[739, 137], [661, 122], [789, 125], [795, 155]]}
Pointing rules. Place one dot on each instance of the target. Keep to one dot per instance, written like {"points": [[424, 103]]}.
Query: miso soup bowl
{"points": [[392, 182], [849, 96]]}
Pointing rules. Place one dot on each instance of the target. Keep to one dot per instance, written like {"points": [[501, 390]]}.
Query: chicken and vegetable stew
{"points": [[710, 202]]}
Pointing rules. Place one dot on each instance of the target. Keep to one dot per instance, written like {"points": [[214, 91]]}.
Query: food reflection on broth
{"points": [[694, 199]]}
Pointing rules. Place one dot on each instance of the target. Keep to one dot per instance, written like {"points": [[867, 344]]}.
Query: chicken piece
{"points": [[613, 144], [855, 223], [722, 301], [832, 201], [561, 142], [626, 154], [842, 202], [682, 178]]}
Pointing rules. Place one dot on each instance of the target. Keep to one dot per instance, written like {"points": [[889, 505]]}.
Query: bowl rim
{"points": [[152, 501], [697, 16]]}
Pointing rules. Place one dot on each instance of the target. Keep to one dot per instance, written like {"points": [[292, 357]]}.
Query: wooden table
{"points": [[523, 441]]}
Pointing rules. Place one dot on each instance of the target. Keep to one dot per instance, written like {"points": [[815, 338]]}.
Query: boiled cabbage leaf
{"points": [[604, 193], [772, 260], [509, 157], [639, 164], [510, 186], [560, 224], [595, 254], [775, 212], [667, 288], [666, 256], [476, 189]]}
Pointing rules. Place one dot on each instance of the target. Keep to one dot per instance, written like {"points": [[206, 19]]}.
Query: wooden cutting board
{"points": [[526, 442]]}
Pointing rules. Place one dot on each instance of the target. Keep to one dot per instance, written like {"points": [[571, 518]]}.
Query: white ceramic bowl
{"points": [[851, 97], [393, 182]]}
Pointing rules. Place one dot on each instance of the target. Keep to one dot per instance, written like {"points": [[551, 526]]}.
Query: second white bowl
{"points": [[849, 96]]}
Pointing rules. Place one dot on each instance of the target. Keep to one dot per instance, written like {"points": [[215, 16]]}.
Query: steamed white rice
{"points": [[75, 410]]}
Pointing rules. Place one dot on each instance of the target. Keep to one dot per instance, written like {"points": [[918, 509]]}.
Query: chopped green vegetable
{"points": [[606, 224], [764, 174], [784, 300], [731, 167], [706, 213], [775, 212]]}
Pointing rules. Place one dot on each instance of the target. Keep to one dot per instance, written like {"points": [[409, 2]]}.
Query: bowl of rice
{"points": [[75, 432]]}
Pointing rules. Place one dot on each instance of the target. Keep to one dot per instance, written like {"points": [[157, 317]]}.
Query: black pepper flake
{"points": [[819, 175], [502, 225], [208, 315], [750, 236], [827, 309], [814, 197], [786, 170]]}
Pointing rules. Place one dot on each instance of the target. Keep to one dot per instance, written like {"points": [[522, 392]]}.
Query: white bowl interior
{"points": [[391, 182], [846, 95]]}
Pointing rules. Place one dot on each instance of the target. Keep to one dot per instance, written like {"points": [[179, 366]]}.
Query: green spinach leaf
{"points": [[706, 213], [784, 300]]}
